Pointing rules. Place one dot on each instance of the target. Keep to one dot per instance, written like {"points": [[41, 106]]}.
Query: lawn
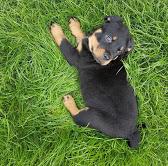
{"points": [[35, 128]]}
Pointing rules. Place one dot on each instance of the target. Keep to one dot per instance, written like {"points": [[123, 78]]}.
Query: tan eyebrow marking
{"points": [[129, 49], [114, 38]]}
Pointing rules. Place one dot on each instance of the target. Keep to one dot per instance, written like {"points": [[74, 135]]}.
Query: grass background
{"points": [[35, 128]]}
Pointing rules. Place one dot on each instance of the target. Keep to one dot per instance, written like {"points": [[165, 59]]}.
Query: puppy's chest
{"points": [[99, 87], [104, 75], [100, 81]]}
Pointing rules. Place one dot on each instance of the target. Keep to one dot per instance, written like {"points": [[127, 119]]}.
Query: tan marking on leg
{"points": [[98, 30], [129, 49], [70, 104], [57, 33], [75, 28], [79, 47]]}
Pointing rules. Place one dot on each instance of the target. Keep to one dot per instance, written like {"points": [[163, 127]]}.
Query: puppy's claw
{"points": [[72, 19], [67, 97], [52, 22], [55, 25]]}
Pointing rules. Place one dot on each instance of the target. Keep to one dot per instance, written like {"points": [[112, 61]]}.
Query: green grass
{"points": [[35, 128]]}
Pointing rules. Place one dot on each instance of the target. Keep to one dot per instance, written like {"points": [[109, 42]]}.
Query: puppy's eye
{"points": [[108, 38], [106, 56]]}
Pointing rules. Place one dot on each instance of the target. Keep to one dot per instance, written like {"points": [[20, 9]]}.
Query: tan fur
{"points": [[79, 47], [129, 49], [70, 104], [75, 28], [57, 33], [114, 38], [95, 48], [95, 45]]}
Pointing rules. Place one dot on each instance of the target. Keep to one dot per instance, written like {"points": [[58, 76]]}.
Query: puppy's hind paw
{"points": [[70, 104]]}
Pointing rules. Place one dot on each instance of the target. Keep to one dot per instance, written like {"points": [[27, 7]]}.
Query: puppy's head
{"points": [[111, 41]]}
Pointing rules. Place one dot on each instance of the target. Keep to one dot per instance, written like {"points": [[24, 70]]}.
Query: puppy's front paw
{"points": [[75, 28], [74, 23], [57, 33], [56, 28]]}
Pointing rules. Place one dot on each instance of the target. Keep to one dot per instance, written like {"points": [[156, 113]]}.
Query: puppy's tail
{"points": [[134, 139]]}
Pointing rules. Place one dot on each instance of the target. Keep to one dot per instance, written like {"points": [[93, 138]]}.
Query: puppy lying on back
{"points": [[110, 100]]}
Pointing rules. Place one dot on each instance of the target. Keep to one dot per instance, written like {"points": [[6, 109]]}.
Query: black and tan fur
{"points": [[110, 100]]}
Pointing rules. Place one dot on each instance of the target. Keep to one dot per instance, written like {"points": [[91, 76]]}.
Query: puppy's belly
{"points": [[111, 96]]}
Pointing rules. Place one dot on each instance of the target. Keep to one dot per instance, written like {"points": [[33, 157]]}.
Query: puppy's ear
{"points": [[130, 44], [109, 19]]}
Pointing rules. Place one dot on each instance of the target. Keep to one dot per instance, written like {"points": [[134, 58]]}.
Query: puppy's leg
{"points": [[57, 33], [69, 52], [84, 116], [100, 121], [75, 28], [134, 139], [70, 104]]}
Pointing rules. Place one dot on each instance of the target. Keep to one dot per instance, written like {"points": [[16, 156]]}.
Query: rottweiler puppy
{"points": [[111, 105]]}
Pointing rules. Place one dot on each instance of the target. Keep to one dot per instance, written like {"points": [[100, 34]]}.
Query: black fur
{"points": [[106, 91]]}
